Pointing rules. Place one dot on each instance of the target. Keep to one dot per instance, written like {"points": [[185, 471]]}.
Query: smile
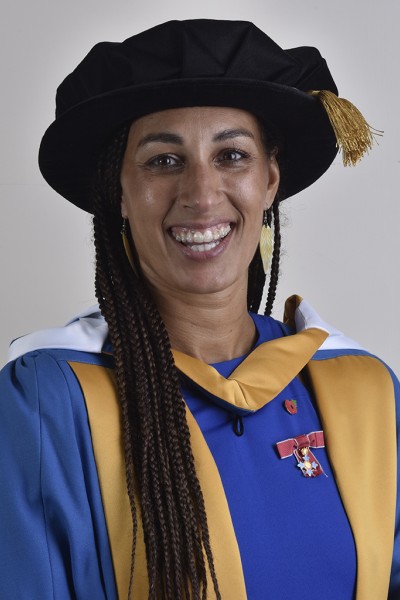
{"points": [[200, 241]]}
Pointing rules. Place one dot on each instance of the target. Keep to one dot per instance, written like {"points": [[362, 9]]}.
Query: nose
{"points": [[200, 187]]}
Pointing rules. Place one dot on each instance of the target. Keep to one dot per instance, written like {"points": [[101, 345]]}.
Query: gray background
{"points": [[341, 236]]}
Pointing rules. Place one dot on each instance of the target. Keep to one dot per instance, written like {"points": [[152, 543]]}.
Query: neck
{"points": [[210, 327]]}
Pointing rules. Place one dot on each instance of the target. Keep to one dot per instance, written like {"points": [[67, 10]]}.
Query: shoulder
{"points": [[85, 333], [43, 382], [338, 353], [300, 315], [39, 367], [341, 356]]}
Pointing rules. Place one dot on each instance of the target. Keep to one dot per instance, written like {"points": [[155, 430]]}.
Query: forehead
{"points": [[195, 121]]}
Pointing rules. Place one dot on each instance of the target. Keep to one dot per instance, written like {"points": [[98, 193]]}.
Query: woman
{"points": [[254, 459]]}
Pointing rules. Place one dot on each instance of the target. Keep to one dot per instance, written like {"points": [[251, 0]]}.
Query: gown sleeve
{"points": [[53, 537]]}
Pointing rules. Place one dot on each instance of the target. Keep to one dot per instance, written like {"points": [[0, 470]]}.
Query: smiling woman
{"points": [[196, 182], [172, 443]]}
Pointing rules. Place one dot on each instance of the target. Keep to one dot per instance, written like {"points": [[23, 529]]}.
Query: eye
{"points": [[164, 162], [231, 156]]}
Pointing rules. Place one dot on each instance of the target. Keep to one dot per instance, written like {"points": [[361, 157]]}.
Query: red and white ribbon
{"points": [[315, 439]]}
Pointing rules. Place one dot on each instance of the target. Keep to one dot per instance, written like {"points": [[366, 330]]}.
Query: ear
{"points": [[124, 211], [273, 181]]}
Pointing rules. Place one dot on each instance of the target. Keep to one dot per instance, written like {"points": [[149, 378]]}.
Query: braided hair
{"points": [[160, 471], [274, 148], [257, 277]]}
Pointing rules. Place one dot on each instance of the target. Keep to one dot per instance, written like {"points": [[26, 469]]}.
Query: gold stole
{"points": [[98, 387], [356, 404], [359, 422]]}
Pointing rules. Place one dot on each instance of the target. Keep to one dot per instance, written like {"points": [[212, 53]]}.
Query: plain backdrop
{"points": [[341, 236]]}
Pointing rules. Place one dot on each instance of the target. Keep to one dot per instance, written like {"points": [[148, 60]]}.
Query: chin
{"points": [[208, 285]]}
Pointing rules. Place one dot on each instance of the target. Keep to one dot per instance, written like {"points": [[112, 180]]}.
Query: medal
{"points": [[308, 464], [300, 448]]}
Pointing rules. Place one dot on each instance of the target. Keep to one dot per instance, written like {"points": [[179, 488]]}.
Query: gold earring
{"points": [[266, 243], [125, 241]]}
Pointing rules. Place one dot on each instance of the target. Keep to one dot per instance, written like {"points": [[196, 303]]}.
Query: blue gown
{"points": [[293, 532]]}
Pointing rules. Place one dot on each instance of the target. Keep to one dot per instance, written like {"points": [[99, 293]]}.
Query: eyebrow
{"points": [[164, 137], [228, 134], [174, 138]]}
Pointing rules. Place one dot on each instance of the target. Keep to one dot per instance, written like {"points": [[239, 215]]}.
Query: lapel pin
{"points": [[290, 406]]}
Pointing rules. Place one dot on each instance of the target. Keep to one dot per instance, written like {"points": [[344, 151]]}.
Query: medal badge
{"points": [[300, 447]]}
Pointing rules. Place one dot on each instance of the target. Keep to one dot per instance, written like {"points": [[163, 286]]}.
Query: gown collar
{"points": [[263, 373], [88, 332]]}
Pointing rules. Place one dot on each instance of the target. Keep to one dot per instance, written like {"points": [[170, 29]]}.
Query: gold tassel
{"points": [[354, 136], [266, 246]]}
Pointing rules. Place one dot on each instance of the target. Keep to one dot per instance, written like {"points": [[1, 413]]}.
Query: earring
{"points": [[266, 243], [125, 241]]}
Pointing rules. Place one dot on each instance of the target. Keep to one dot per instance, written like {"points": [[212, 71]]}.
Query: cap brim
{"points": [[70, 147]]}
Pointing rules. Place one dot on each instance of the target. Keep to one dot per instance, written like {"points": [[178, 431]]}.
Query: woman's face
{"points": [[195, 183]]}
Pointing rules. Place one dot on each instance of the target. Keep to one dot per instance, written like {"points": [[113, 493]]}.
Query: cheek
{"points": [[253, 199], [147, 213], [254, 186], [139, 203], [150, 197]]}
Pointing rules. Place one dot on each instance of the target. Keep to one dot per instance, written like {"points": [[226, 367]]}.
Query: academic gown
{"points": [[281, 526]]}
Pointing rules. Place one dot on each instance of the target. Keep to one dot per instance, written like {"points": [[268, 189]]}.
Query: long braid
{"points": [[257, 277], [274, 274], [256, 282], [160, 469], [106, 294]]}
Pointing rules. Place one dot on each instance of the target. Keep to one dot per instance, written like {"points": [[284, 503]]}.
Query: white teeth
{"points": [[208, 236], [201, 238], [204, 247], [198, 237]]}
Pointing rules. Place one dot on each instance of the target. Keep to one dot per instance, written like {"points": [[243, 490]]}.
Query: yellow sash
{"points": [[98, 387], [359, 423]]}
